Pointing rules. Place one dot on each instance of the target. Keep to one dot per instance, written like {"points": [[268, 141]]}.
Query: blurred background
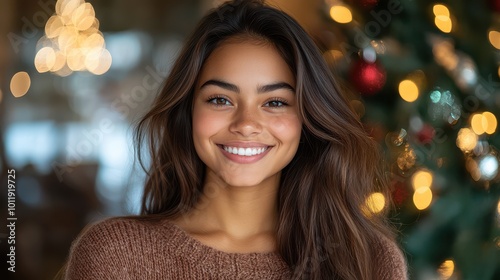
{"points": [[76, 75]]}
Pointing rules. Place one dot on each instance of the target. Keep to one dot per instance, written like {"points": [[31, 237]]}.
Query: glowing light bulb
{"points": [[408, 90], [341, 14], [20, 84]]}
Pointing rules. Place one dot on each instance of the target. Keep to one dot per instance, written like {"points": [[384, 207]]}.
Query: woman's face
{"points": [[246, 127]]}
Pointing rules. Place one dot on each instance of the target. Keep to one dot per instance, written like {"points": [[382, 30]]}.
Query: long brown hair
{"points": [[322, 232]]}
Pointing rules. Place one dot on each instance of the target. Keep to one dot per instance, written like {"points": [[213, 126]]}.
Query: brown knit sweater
{"points": [[124, 248]]}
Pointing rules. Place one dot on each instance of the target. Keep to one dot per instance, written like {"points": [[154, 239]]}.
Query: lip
{"points": [[244, 159]]}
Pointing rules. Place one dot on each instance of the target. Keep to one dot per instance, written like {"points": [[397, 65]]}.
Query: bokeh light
{"points": [[20, 84], [53, 26], [443, 23], [98, 62], [422, 198], [446, 269], [442, 18], [341, 14], [375, 203], [45, 59], [489, 122], [466, 139], [488, 167], [476, 123], [72, 41], [494, 38], [422, 179], [440, 10], [408, 90], [484, 123]]}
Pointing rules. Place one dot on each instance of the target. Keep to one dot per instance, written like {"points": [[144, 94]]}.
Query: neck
{"points": [[238, 211]]}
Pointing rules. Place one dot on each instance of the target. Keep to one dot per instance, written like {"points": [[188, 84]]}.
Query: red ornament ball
{"points": [[368, 78], [426, 134], [367, 4], [399, 193]]}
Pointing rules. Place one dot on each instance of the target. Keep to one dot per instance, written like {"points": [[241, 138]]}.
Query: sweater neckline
{"points": [[197, 245]]}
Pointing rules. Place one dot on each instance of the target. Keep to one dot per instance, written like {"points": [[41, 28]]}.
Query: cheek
{"points": [[206, 123], [287, 128]]}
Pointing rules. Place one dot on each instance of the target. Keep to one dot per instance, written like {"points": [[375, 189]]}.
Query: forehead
{"points": [[246, 58]]}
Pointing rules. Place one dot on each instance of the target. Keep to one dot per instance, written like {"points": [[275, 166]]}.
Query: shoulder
{"points": [[111, 247], [389, 259], [111, 232]]}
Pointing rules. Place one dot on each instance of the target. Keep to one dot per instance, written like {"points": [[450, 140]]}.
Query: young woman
{"points": [[259, 168]]}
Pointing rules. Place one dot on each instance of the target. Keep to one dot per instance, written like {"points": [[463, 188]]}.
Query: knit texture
{"points": [[125, 248]]}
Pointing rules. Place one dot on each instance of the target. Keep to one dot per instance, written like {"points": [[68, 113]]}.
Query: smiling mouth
{"points": [[245, 151]]}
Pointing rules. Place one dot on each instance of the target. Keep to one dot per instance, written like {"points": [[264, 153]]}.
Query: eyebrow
{"points": [[260, 89]]}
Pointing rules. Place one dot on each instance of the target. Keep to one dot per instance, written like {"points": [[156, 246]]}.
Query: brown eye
{"points": [[275, 103], [219, 101]]}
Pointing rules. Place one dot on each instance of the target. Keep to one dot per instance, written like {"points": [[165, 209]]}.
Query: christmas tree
{"points": [[425, 82]]}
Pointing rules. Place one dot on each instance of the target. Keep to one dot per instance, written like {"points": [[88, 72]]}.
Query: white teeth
{"points": [[244, 151]]}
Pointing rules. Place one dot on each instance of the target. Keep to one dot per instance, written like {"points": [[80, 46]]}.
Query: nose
{"points": [[246, 122]]}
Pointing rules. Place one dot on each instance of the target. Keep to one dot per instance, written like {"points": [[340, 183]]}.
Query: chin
{"points": [[242, 182]]}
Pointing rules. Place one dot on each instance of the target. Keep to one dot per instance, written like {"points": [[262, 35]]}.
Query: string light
{"points": [[72, 41], [341, 14], [20, 84]]}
